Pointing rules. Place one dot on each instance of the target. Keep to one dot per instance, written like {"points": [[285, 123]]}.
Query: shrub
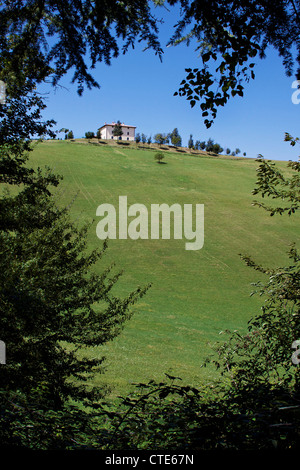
{"points": [[89, 135], [159, 156]]}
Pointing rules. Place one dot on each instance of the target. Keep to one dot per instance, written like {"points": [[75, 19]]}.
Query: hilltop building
{"points": [[128, 131]]}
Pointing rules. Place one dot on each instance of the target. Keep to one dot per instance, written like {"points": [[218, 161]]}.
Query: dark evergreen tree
{"points": [[117, 130], [161, 138], [89, 135], [197, 145], [191, 142], [175, 138], [216, 148], [210, 145]]}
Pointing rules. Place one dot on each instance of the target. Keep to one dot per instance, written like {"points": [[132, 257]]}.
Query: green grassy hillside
{"points": [[195, 294]]}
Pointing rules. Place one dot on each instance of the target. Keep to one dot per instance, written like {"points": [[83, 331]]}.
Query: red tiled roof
{"points": [[114, 123]]}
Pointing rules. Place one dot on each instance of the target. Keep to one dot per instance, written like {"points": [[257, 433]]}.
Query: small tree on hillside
{"points": [[191, 142], [89, 135], [144, 138], [175, 138], [138, 138], [203, 145], [161, 138], [70, 135], [66, 131], [159, 156], [117, 130], [210, 145], [217, 148]]}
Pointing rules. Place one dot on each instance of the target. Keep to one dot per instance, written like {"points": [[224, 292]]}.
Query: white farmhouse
{"points": [[128, 131]]}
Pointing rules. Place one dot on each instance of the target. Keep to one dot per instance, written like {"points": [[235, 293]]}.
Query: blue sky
{"points": [[138, 89]]}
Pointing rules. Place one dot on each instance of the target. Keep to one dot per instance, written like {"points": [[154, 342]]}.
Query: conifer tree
{"points": [[117, 130]]}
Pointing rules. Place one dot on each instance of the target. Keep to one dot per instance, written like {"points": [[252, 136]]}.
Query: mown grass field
{"points": [[195, 294]]}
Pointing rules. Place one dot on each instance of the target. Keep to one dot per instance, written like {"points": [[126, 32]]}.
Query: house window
{"points": [[127, 133], [127, 138]]}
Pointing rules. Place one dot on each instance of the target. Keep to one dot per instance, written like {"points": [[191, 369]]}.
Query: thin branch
{"points": [[295, 10]]}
